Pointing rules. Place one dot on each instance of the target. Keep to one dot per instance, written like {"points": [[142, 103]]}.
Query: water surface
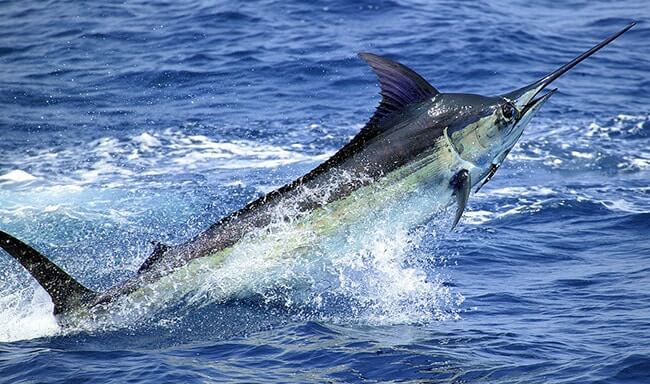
{"points": [[130, 123]]}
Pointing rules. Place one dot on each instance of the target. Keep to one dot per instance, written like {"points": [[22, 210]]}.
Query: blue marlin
{"points": [[420, 152]]}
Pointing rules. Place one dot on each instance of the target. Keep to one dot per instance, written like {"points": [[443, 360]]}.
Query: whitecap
{"points": [[17, 176]]}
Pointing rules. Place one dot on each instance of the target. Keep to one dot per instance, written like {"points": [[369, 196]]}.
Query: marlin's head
{"points": [[487, 128], [416, 120], [482, 129]]}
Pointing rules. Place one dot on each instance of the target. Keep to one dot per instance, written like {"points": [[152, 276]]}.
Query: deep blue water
{"points": [[129, 123]]}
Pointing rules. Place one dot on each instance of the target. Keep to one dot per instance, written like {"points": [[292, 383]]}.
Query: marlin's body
{"points": [[421, 151]]}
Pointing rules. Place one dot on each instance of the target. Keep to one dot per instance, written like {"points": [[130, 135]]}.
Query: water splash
{"points": [[345, 264], [25, 312]]}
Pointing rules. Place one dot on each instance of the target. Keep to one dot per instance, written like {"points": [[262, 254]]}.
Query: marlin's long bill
{"points": [[526, 104], [523, 95]]}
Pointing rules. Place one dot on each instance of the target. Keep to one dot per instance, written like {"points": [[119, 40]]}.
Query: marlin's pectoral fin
{"points": [[461, 184]]}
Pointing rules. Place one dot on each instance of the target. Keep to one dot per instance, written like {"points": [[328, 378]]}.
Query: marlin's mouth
{"points": [[524, 98], [532, 106]]}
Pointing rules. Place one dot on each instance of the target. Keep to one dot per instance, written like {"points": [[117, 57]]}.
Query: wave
{"points": [[121, 161], [610, 146]]}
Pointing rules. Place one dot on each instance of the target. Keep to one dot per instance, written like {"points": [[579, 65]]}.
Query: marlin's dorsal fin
{"points": [[400, 86], [67, 293]]}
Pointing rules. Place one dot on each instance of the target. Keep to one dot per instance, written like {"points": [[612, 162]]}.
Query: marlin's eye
{"points": [[508, 111]]}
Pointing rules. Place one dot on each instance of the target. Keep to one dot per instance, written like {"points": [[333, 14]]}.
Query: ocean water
{"points": [[123, 124]]}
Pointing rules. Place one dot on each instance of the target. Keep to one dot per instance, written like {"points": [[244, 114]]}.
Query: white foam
{"points": [[114, 161], [147, 140], [25, 318], [581, 144], [17, 176], [477, 217], [641, 161], [582, 155], [523, 191], [623, 205]]}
